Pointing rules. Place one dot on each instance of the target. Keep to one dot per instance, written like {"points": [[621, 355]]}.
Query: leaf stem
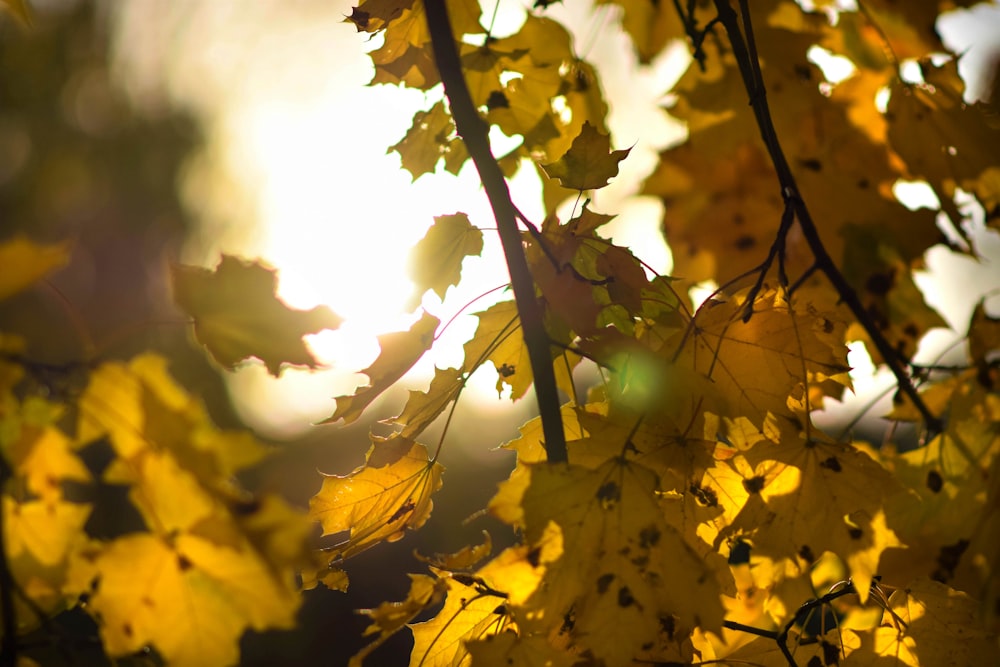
{"points": [[474, 133], [749, 64]]}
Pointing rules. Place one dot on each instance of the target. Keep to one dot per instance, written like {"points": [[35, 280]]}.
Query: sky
{"points": [[295, 172]]}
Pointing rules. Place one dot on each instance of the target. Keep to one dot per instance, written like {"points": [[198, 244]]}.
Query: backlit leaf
{"points": [[467, 614], [380, 500], [589, 163], [619, 558], [436, 261], [237, 315], [189, 598], [22, 261], [400, 350]]}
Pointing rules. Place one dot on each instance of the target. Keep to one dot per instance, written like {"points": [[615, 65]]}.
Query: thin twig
{"points": [[749, 64], [474, 133]]}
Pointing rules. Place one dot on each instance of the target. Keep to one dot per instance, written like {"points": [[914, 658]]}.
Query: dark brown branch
{"points": [[749, 64], [8, 643], [474, 133]]}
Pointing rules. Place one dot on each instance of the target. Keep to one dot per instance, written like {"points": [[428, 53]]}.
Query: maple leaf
{"points": [[24, 262], [140, 407], [400, 350], [589, 163], [237, 315], [188, 597], [619, 558], [929, 624], [47, 530], [430, 137], [38, 452], [468, 613], [423, 407], [390, 617], [792, 346], [508, 648], [380, 500], [436, 260], [800, 498]]}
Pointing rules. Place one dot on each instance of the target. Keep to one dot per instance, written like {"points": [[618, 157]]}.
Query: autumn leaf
{"points": [[22, 11], [430, 137], [390, 617], [191, 599], [928, 624], [436, 260], [380, 500], [507, 648], [468, 613], [22, 261], [423, 407], [400, 350], [237, 315], [589, 163], [141, 407], [619, 558]]}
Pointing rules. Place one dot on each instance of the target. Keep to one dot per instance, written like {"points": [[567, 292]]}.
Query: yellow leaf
{"points": [[507, 648], [732, 353], [390, 617], [651, 25], [589, 162], [21, 10], [620, 559], [462, 559], [140, 407], [800, 499], [237, 315], [22, 261], [381, 499], [41, 454], [436, 261], [46, 530], [430, 137], [423, 407], [468, 613], [191, 599], [400, 350], [931, 625], [499, 339]]}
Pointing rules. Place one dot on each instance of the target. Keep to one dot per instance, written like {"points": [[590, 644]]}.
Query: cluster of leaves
{"points": [[701, 516]]}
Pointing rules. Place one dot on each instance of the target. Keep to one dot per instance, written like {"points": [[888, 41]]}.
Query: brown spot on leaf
{"points": [[863, 183], [831, 464], [934, 481], [806, 554], [804, 72], [668, 626], [911, 330], [745, 242], [649, 536], [183, 564], [705, 496], [609, 493], [625, 597], [604, 582], [534, 556], [812, 164], [880, 283], [855, 532], [947, 560], [506, 370], [127, 629], [754, 484]]}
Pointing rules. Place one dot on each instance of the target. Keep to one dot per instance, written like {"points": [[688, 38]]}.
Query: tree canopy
{"points": [[681, 508]]}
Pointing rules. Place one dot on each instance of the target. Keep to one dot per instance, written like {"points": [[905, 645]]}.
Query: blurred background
{"points": [[160, 131]]}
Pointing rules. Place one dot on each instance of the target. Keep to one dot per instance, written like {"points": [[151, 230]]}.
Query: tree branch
{"points": [[8, 643], [475, 134], [749, 64]]}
